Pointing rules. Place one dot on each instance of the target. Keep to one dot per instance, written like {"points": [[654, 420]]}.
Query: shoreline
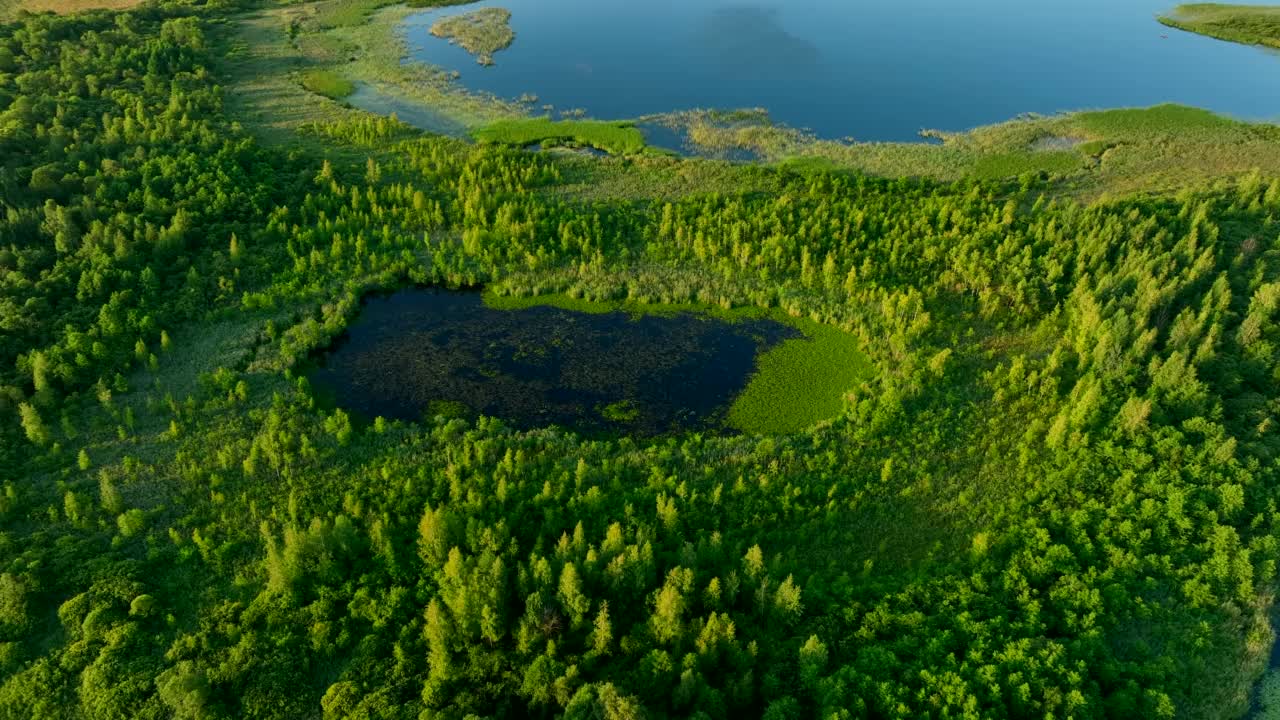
{"points": [[1114, 151]]}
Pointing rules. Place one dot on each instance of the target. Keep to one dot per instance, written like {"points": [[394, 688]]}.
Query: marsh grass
{"points": [[353, 13], [801, 382], [617, 138], [1268, 702], [1248, 24], [262, 68], [1011, 164], [1156, 149], [354, 41], [327, 83], [382, 62], [482, 32]]}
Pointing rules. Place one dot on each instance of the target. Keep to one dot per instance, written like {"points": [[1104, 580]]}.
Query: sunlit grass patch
{"points": [[1139, 123], [801, 381], [1010, 164], [618, 138], [327, 83]]}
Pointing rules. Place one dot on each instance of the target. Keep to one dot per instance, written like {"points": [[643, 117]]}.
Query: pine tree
{"points": [[575, 603], [602, 631], [33, 425], [434, 539]]}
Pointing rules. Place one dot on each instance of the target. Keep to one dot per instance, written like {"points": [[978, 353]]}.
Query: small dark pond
{"points": [[422, 352]]}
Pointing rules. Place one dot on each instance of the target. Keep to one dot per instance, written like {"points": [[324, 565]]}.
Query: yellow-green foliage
{"points": [[481, 32], [1249, 24], [619, 138]]}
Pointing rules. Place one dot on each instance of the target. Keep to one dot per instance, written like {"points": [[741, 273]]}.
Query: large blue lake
{"points": [[868, 69]]}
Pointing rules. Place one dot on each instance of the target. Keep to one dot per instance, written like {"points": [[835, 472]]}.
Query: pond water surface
{"points": [[870, 69], [422, 352]]}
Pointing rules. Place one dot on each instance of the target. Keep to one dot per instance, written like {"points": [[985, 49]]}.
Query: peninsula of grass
{"points": [[327, 83], [1248, 24], [616, 138], [800, 382], [481, 32]]}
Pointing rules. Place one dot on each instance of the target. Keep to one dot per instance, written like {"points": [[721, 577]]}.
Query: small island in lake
{"points": [[481, 33]]}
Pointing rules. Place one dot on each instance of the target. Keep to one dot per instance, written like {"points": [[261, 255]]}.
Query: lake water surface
{"points": [[422, 352], [869, 69]]}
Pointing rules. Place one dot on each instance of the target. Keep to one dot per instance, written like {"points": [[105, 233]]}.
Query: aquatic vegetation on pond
{"points": [[424, 353], [593, 367]]}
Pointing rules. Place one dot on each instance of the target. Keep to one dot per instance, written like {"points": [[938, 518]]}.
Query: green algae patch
{"points": [[800, 382]]}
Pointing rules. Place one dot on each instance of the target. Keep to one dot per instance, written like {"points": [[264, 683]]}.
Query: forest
{"points": [[1054, 498]]}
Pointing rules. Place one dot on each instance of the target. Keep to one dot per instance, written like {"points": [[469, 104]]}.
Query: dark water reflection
{"points": [[422, 352]]}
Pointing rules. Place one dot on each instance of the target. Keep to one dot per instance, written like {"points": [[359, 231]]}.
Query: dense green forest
{"points": [[1055, 499]]}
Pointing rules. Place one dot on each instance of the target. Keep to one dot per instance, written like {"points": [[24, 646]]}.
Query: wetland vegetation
{"points": [[619, 138], [1248, 24], [481, 32], [1023, 462], [592, 367]]}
